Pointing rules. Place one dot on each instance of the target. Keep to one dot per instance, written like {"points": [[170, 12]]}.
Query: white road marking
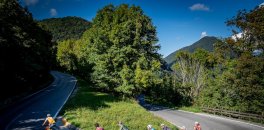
{"points": [[222, 118], [65, 100], [27, 98], [11, 122]]}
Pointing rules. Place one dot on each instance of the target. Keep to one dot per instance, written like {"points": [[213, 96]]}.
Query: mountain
{"points": [[65, 28], [205, 43]]}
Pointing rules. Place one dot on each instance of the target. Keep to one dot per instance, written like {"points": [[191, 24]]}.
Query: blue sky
{"points": [[179, 22]]}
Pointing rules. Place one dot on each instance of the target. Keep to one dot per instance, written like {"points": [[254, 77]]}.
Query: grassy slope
{"points": [[89, 107]]}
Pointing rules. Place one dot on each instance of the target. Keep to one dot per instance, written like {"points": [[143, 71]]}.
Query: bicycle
{"points": [[52, 127]]}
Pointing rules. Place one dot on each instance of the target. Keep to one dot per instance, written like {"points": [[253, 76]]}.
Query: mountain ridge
{"points": [[204, 43]]}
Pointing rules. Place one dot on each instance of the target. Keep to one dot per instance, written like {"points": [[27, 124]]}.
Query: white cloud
{"points": [[237, 36], [203, 34], [31, 2], [199, 7], [53, 12]]}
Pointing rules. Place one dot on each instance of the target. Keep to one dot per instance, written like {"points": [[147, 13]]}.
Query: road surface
{"points": [[32, 112], [208, 122]]}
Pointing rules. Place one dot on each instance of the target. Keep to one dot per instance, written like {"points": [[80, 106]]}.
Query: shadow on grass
{"points": [[89, 98]]}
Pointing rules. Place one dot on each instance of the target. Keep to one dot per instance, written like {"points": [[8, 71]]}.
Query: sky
{"points": [[179, 23]]}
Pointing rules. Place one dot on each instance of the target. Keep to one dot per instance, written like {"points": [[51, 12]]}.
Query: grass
{"points": [[191, 108], [89, 106]]}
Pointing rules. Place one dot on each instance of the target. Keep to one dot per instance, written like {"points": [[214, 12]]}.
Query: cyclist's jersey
{"points": [[198, 127], [99, 128], [50, 120]]}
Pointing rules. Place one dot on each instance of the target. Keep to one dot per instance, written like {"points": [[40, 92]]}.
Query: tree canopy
{"points": [[122, 45], [237, 77], [26, 51], [65, 28]]}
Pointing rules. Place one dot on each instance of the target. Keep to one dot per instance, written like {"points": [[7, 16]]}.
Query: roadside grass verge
{"points": [[89, 106], [189, 108]]}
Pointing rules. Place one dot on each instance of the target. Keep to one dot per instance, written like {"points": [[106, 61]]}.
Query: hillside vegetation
{"points": [[231, 76], [26, 52], [65, 28], [206, 43]]}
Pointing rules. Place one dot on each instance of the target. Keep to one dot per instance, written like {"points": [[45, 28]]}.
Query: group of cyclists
{"points": [[50, 123], [197, 126]]}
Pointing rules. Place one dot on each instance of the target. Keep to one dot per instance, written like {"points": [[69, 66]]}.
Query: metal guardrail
{"points": [[235, 114]]}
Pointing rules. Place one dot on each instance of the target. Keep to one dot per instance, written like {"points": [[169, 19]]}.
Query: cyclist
{"points": [[51, 122], [164, 127], [197, 126]]}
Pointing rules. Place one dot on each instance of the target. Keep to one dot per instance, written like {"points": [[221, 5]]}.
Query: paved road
{"points": [[208, 122], [32, 112]]}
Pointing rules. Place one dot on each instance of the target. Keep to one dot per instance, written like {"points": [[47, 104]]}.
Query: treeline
{"points": [[26, 51]]}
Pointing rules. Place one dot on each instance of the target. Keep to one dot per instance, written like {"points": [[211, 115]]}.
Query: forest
{"points": [[117, 52], [26, 51]]}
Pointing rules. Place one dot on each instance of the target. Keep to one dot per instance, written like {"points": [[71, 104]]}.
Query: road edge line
{"points": [[223, 118], [179, 127], [56, 114], [48, 86], [11, 122]]}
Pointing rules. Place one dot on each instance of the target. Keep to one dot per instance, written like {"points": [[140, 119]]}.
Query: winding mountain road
{"points": [[30, 114]]}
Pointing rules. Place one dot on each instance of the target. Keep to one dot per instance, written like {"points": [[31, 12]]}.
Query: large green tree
{"points": [[122, 45]]}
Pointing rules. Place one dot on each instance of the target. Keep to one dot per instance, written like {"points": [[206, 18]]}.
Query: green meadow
{"points": [[88, 107]]}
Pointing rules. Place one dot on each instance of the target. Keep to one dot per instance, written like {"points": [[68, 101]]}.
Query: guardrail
{"points": [[235, 114]]}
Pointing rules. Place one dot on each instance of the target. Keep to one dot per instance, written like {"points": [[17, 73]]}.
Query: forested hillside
{"points": [[65, 28], [22, 43], [206, 43]]}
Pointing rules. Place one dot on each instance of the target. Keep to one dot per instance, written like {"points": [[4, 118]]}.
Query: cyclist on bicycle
{"points": [[51, 122]]}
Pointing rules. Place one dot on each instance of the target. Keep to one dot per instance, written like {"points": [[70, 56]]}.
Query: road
{"points": [[31, 113], [208, 122]]}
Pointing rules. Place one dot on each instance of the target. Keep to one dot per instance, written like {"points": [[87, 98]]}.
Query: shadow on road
{"points": [[149, 107]]}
